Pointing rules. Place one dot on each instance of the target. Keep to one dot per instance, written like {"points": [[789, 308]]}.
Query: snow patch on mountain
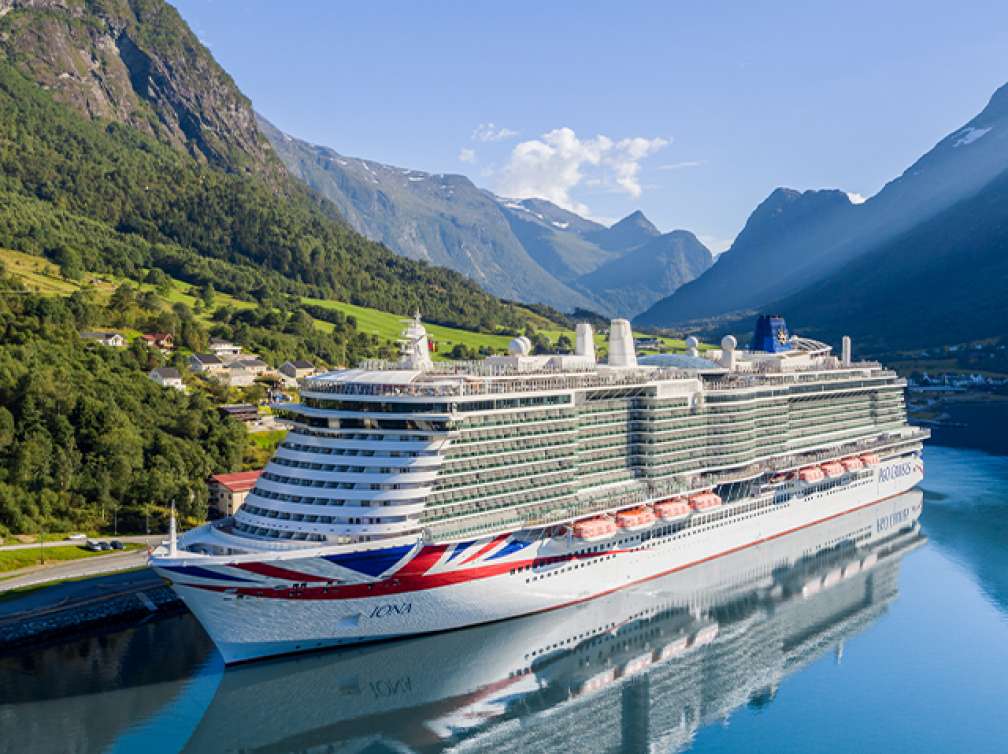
{"points": [[968, 135]]}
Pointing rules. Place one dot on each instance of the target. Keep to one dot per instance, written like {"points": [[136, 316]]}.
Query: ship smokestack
{"points": [[845, 350], [585, 341], [621, 347]]}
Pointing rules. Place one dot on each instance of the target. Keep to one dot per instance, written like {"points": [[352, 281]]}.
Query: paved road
{"points": [[146, 539], [75, 569]]}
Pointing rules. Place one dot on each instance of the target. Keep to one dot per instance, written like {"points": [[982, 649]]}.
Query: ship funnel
{"points": [[845, 350], [585, 341], [621, 347]]}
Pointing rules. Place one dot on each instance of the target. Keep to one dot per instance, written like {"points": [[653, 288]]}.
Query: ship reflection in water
{"points": [[639, 670]]}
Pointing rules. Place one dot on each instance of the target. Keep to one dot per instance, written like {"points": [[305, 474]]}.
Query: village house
{"points": [[228, 491], [257, 367], [167, 377], [237, 375], [161, 340], [111, 339], [207, 363], [297, 369], [246, 413], [224, 349]]}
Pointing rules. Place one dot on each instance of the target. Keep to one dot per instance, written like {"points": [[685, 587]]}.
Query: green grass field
{"points": [[12, 560]]}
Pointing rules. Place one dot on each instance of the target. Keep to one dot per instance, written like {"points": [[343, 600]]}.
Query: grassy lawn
{"points": [[390, 326], [12, 560]]}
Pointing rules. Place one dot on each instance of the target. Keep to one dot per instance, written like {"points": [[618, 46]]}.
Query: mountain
{"points": [[633, 230], [650, 271], [523, 249], [794, 239], [945, 281], [442, 219], [129, 148], [776, 250]]}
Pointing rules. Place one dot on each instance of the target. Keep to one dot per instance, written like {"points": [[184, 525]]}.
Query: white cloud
{"points": [[490, 132], [682, 165], [467, 155], [551, 166], [856, 198]]}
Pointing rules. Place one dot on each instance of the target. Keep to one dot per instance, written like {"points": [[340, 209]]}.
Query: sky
{"points": [[691, 112]]}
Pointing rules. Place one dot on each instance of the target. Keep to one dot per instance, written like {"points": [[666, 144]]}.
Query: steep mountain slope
{"points": [[814, 235], [945, 281], [773, 253], [525, 249], [652, 270], [136, 62], [442, 219]]}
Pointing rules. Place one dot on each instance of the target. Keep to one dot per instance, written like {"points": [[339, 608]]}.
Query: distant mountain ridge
{"points": [[523, 249], [793, 239]]}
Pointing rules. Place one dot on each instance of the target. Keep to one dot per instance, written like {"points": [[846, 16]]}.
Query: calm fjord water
{"points": [[899, 647]]}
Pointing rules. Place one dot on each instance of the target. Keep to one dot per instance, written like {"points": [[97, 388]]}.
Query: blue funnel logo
{"points": [[771, 335]]}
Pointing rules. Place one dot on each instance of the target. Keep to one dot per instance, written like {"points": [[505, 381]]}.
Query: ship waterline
{"points": [[412, 498]]}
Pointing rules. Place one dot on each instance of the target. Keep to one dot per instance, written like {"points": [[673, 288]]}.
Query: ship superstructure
{"points": [[520, 482]]}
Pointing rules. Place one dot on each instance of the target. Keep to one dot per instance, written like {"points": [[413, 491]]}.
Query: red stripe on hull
{"points": [[275, 572]]}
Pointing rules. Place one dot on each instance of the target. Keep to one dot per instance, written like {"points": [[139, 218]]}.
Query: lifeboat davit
{"points": [[833, 469], [639, 517], [870, 459], [853, 463], [811, 474], [674, 509], [704, 501], [594, 528]]}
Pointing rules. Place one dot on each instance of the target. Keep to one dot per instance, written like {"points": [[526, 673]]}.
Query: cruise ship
{"points": [[411, 497]]}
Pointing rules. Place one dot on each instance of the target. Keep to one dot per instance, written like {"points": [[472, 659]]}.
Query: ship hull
{"points": [[271, 607]]}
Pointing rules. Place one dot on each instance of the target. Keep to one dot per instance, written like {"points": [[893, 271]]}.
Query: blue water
{"points": [[908, 655]]}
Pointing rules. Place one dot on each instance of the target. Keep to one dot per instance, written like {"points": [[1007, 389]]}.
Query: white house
{"points": [[167, 377], [224, 348], [112, 339]]}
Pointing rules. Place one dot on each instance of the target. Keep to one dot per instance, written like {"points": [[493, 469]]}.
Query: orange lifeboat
{"points": [[635, 518], [594, 528], [704, 501], [811, 474], [674, 509], [833, 469], [870, 459], [853, 463]]}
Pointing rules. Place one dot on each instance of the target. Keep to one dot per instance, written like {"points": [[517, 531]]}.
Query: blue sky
{"points": [[692, 112]]}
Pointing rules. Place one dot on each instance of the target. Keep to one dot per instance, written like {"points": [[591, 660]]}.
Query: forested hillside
{"points": [[84, 435]]}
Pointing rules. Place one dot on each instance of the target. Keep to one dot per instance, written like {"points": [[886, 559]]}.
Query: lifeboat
{"points": [[636, 665], [832, 578], [705, 635], [811, 587], [852, 569], [811, 474], [704, 501], [853, 463], [674, 509], [869, 560], [594, 528], [833, 469], [674, 649], [635, 518], [870, 459]]}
